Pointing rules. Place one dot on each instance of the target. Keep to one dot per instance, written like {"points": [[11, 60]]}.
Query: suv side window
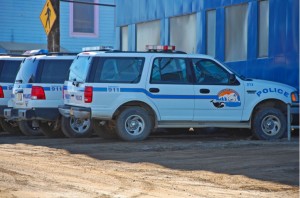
{"points": [[169, 71], [118, 69], [208, 72], [9, 70], [53, 71]]}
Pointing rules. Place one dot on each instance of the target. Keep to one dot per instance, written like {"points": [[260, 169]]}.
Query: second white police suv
{"points": [[37, 92], [131, 94]]}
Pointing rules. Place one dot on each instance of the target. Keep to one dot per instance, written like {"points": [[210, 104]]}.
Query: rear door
{"points": [[22, 87], [171, 89], [51, 74], [74, 87]]}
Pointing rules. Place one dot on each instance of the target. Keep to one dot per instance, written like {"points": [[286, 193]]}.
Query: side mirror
{"points": [[232, 78]]}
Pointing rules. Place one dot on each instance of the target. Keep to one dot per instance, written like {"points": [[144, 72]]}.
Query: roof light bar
{"points": [[160, 47], [97, 48], [36, 52]]}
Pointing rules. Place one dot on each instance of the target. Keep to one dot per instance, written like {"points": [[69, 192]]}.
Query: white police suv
{"points": [[130, 94], [37, 92], [9, 66]]}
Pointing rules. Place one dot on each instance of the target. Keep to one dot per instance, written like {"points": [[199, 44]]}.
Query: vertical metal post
{"points": [[54, 34], [289, 121]]}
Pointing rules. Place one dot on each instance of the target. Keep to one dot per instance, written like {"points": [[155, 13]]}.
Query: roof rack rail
{"points": [[14, 55], [143, 52], [97, 48], [63, 53]]}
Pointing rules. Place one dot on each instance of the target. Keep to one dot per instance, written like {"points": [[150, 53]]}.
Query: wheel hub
{"points": [[271, 125], [133, 125]]}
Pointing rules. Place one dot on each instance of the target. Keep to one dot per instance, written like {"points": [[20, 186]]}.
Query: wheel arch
{"points": [[275, 103], [137, 103]]}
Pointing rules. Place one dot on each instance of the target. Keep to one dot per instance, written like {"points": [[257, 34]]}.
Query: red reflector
{"points": [[88, 94], [38, 93], [1, 92]]}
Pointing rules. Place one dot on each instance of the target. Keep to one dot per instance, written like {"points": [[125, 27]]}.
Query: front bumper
{"points": [[77, 112], [48, 114]]}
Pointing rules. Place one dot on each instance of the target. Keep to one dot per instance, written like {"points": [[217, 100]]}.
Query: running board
{"points": [[197, 124]]}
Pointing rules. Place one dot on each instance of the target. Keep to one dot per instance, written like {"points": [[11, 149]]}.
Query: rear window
{"points": [[117, 69], [9, 70], [27, 72], [79, 68], [53, 71]]}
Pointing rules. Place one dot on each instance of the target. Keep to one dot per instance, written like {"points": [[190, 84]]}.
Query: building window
{"points": [[124, 38], [211, 33], [263, 29], [236, 32], [183, 33], [84, 19], [148, 34]]}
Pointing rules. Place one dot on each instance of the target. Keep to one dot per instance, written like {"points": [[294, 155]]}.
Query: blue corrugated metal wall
{"points": [[20, 23], [282, 63]]}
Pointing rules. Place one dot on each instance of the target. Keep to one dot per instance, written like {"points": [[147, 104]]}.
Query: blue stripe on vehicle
{"points": [[23, 85], [4, 87], [46, 88], [158, 96], [100, 89]]}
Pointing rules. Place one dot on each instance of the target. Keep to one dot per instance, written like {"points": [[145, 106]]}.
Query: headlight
{"points": [[295, 97]]}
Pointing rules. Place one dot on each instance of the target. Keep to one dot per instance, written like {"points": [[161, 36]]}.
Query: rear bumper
{"points": [[77, 112], [49, 114]]}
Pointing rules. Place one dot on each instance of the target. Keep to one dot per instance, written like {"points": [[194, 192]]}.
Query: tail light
{"points": [[1, 92], [38, 93], [88, 94]]}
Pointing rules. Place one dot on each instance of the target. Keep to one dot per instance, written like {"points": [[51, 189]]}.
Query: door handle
{"points": [[154, 90], [204, 91]]}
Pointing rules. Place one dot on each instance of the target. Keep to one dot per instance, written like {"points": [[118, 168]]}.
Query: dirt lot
{"points": [[209, 165]]}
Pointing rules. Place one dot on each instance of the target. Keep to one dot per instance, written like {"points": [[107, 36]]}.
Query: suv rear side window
{"points": [[117, 69], [9, 70], [169, 71], [53, 71]]}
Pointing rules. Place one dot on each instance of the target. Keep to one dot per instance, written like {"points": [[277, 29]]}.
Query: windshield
{"points": [[27, 72], [234, 72], [79, 68]]}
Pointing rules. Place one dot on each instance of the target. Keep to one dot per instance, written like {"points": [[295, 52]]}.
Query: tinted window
{"points": [[27, 72], [9, 70], [118, 70], [54, 71], [79, 68], [169, 71], [209, 72]]}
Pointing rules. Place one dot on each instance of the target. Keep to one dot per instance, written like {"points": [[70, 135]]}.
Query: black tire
{"points": [[28, 129], [11, 127], [134, 124], [105, 129], [76, 128], [269, 124], [50, 130]]}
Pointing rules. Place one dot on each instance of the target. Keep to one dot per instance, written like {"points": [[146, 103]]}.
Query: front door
{"points": [[218, 97]]}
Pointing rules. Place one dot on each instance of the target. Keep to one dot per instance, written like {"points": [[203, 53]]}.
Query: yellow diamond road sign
{"points": [[48, 16]]}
